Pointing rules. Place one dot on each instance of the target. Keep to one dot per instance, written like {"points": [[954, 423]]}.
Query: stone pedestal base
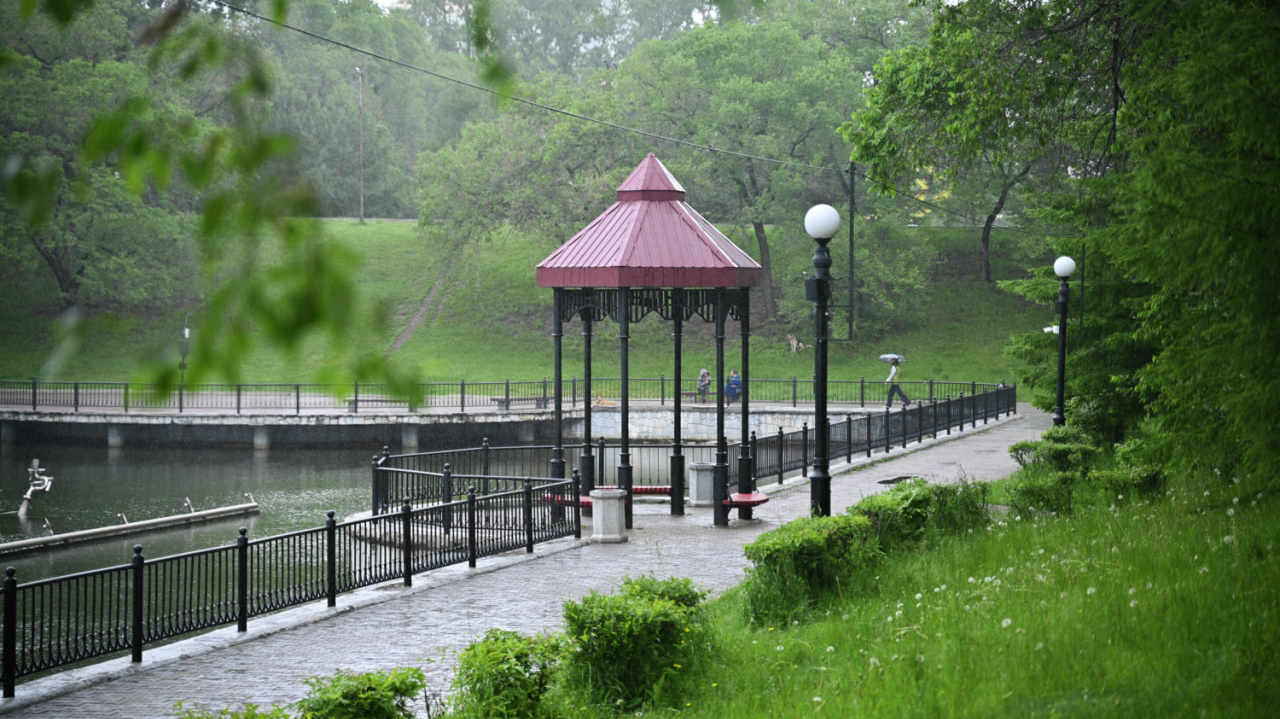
{"points": [[701, 484], [608, 516]]}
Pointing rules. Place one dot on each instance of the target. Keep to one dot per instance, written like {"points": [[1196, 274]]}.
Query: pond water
{"points": [[95, 486]]}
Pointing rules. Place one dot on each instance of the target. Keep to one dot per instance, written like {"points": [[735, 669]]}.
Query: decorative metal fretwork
{"points": [[595, 303]]}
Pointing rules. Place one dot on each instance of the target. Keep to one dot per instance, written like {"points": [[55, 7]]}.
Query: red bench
{"points": [[754, 499]]}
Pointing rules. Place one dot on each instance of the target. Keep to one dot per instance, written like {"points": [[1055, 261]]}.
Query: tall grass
{"points": [[1162, 608]]}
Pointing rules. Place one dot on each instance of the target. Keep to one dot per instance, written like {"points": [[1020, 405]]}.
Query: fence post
{"points": [[242, 580], [10, 652], [34, 381], [355, 397], [406, 534], [462, 396], [545, 397], [446, 496], [930, 390], [662, 389], [331, 559], [848, 438], [888, 439], [862, 396], [600, 464], [804, 449], [948, 400], [472, 549], [484, 457], [507, 394], [868, 436], [238, 389], [297, 399], [76, 395], [135, 639], [782, 457], [795, 391], [528, 516], [126, 396], [577, 505], [180, 393]]}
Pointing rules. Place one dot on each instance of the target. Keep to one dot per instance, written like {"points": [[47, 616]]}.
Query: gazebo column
{"points": [[586, 463], [557, 451], [746, 484], [624, 452], [557, 338], [720, 487], [677, 450]]}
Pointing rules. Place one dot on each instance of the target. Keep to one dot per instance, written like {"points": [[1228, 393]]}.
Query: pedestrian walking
{"points": [[895, 376]]}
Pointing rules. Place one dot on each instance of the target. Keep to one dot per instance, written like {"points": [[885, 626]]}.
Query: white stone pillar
{"points": [[608, 516], [409, 438], [115, 437], [261, 439], [702, 479]]}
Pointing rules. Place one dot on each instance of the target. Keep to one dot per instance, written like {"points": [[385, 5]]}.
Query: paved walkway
{"points": [[428, 624]]}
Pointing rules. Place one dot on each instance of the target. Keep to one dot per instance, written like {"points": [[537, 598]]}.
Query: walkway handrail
{"points": [[62, 620], [299, 398], [424, 476]]}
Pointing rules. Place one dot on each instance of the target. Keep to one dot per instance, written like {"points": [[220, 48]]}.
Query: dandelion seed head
{"points": [[1006, 622], [1092, 590], [831, 649], [1227, 539], [1134, 603], [780, 647]]}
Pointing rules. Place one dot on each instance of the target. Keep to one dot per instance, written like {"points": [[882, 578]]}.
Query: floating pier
{"points": [[126, 528]]}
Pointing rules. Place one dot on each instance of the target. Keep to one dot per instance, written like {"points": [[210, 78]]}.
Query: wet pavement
{"points": [[428, 624]]}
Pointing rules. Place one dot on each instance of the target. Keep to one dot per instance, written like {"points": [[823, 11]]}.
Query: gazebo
{"points": [[652, 252]]}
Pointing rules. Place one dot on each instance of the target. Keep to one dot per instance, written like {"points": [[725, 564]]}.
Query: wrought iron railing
{"points": [[54, 622], [463, 396], [430, 477]]}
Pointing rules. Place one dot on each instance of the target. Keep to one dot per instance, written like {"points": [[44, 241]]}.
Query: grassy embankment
{"points": [[488, 321], [1160, 608]]}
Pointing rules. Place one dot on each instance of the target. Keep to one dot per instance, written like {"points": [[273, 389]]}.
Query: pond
{"points": [[94, 486]]}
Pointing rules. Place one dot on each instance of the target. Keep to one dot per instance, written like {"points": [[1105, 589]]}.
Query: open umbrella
{"points": [[891, 357]]}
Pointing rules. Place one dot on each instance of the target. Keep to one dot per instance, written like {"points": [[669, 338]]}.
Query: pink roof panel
{"points": [[650, 237]]}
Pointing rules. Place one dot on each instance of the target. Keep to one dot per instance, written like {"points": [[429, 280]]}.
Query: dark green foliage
{"points": [[803, 562], [505, 674], [1043, 492], [958, 508], [636, 647], [250, 711], [899, 516], [678, 590], [371, 695]]}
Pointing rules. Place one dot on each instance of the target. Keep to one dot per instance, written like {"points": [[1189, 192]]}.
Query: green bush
{"points": [[959, 507], [679, 590], [801, 563], [370, 695], [505, 674], [1129, 482], [250, 711], [1061, 449], [1043, 492], [636, 647], [899, 516]]}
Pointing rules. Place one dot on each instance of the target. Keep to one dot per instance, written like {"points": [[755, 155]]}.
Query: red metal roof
{"points": [[650, 237]]}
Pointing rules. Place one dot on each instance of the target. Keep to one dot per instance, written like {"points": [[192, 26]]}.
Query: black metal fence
{"points": [[462, 396], [434, 476], [64, 620]]}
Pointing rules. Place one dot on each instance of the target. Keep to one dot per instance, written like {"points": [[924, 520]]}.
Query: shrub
{"points": [[802, 562], [371, 695], [1129, 481], [250, 711], [635, 647], [505, 674], [959, 507], [679, 590], [1047, 492], [899, 516]]}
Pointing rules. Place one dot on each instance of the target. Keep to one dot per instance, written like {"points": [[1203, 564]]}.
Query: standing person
{"points": [[734, 388], [704, 384], [893, 385]]}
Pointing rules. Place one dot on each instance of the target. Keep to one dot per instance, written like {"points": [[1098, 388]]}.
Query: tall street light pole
{"points": [[1063, 267], [821, 222], [360, 84]]}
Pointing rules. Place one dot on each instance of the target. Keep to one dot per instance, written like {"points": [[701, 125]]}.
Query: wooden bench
{"points": [[754, 499], [694, 394], [506, 402]]}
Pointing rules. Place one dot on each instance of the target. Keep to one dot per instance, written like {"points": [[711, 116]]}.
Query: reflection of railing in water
{"points": [[434, 476], [54, 622]]}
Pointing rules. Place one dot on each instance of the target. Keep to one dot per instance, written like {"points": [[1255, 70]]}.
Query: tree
{"points": [[759, 93]]}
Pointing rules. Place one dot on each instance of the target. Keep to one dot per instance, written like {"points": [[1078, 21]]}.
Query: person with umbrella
{"points": [[895, 362]]}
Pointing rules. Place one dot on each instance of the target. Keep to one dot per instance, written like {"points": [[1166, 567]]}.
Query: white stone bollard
{"points": [[608, 516], [702, 478]]}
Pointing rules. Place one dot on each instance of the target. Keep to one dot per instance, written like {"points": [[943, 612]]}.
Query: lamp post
{"points": [[1063, 267], [821, 222]]}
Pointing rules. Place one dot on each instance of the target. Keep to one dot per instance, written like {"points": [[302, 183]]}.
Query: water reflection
{"points": [[95, 486]]}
